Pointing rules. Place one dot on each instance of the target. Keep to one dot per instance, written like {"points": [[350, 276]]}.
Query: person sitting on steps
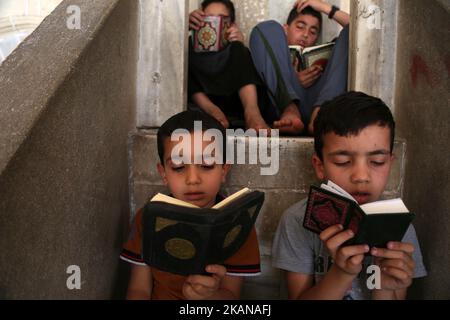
{"points": [[296, 96]]}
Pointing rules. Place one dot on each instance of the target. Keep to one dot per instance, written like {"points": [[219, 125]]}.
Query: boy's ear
{"points": [[225, 169], [285, 28], [162, 172], [318, 167]]}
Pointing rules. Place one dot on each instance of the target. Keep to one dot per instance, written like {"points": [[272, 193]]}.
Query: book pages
{"points": [[168, 199], [385, 206], [232, 197]]}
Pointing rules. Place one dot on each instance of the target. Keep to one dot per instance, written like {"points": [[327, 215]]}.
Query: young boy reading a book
{"points": [[296, 95], [197, 184], [224, 83], [353, 142]]}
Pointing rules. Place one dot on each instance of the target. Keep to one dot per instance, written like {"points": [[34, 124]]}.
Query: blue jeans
{"points": [[270, 53]]}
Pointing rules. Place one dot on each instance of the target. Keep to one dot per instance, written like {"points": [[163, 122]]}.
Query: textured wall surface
{"points": [[423, 111], [64, 191], [162, 64], [373, 45]]}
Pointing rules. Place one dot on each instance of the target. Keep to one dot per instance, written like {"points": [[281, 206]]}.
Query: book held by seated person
{"points": [[307, 57], [212, 36], [375, 223], [181, 238]]}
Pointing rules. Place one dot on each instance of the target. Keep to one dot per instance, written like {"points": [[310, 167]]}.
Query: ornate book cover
{"points": [[185, 239], [212, 36], [374, 223]]}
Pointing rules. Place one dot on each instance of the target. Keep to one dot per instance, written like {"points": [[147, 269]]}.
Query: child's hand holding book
{"points": [[396, 264], [308, 76], [347, 258], [201, 287], [196, 19], [233, 33]]}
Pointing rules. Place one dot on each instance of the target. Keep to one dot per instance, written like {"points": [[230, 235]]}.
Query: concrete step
{"points": [[288, 186]]}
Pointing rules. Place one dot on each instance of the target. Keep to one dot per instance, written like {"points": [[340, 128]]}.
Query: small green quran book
{"points": [[374, 224], [181, 238]]}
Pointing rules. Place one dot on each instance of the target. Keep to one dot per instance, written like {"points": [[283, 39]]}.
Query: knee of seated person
{"points": [[270, 26], [346, 29]]}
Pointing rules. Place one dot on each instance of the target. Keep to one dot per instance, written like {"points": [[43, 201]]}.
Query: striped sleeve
{"points": [[245, 262], [132, 249]]}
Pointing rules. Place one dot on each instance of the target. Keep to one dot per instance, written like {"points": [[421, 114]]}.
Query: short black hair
{"points": [[186, 120], [348, 114], [226, 3], [306, 11]]}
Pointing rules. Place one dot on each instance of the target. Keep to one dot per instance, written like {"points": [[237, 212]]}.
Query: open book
{"points": [[181, 238], [374, 223], [316, 55], [212, 36]]}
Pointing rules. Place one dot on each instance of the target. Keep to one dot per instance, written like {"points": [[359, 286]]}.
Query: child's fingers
{"points": [[330, 232], [401, 246], [205, 281], [390, 254], [190, 293], [311, 73], [234, 34], [195, 23], [196, 18], [356, 259], [198, 14], [349, 252], [316, 70], [218, 272], [398, 264], [311, 69], [398, 274], [302, 5], [232, 28], [407, 263], [314, 76], [216, 269], [336, 241]]}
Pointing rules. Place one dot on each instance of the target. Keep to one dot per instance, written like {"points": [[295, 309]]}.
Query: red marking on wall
{"points": [[420, 67]]}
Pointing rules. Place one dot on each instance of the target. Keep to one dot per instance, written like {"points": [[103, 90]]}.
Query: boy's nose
{"points": [[360, 174], [192, 176]]}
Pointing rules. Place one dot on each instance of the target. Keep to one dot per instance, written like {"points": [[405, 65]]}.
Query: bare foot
{"points": [[290, 122], [254, 120]]}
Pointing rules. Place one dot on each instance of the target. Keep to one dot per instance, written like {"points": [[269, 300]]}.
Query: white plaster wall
{"points": [[161, 83], [373, 44]]}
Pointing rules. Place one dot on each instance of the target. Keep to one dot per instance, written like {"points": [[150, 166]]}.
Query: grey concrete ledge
{"points": [[32, 74], [295, 173]]}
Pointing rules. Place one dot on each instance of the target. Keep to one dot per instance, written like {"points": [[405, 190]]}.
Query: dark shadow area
{"points": [[121, 281]]}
